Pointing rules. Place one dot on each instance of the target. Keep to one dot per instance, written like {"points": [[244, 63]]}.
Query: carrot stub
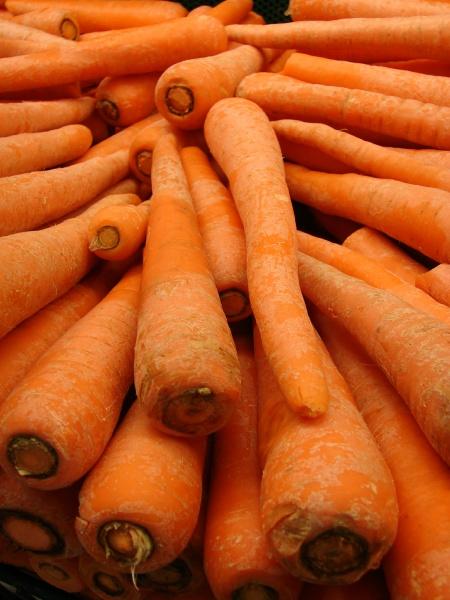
{"points": [[51, 20]]}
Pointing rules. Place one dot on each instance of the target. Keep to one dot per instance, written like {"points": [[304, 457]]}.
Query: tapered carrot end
{"points": [[32, 457], [306, 404]]}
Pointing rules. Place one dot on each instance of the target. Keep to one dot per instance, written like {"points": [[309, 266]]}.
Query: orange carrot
{"points": [[55, 92], [419, 65], [310, 157], [142, 145], [416, 566], [125, 100], [277, 65], [437, 158], [27, 117], [328, 504], [98, 15], [436, 283], [416, 215], [337, 227], [411, 348], [370, 587], [316, 10], [117, 232], [27, 152], [237, 560], [253, 18], [62, 573], [104, 581], [188, 380], [222, 233], [99, 129], [399, 117], [11, 29], [139, 505], [51, 20], [186, 91], [245, 146], [125, 192], [140, 50], [386, 252], [15, 47], [231, 11]]}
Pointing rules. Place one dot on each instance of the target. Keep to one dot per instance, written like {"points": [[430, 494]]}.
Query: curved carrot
{"points": [[105, 582], [308, 156], [316, 10], [245, 146], [62, 573], [222, 233], [436, 283], [369, 587], [415, 567], [411, 348], [237, 559], [328, 503], [125, 100], [140, 503], [51, 20], [186, 91], [25, 152], [418, 216], [11, 29], [27, 117]]}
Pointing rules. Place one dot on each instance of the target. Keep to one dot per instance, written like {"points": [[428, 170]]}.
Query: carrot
{"points": [[369, 587], [125, 100], [337, 227], [51, 20], [277, 65], [92, 366], [253, 18], [105, 582], [362, 156], [141, 50], [62, 573], [328, 504], [386, 252], [139, 505], [25, 152], [245, 146], [21, 206], [389, 115], [419, 65], [231, 11], [436, 158], [56, 92], [237, 560], [411, 348], [28, 117], [15, 47], [38, 522], [315, 10], [436, 283], [125, 192], [415, 567], [186, 91], [98, 15], [16, 31], [117, 232], [222, 233], [187, 381], [99, 129], [142, 145], [416, 215], [373, 78], [309, 157], [347, 39]]}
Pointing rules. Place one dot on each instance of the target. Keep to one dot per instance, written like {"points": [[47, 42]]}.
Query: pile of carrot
{"points": [[225, 299]]}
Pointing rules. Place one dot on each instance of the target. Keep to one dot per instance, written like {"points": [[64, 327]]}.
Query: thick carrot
{"points": [[328, 504], [98, 15], [51, 20], [418, 216], [317, 10], [231, 11], [125, 192], [140, 50], [429, 156], [237, 560], [416, 566], [17, 31], [419, 65], [25, 152], [403, 118], [38, 522], [56, 92], [142, 145], [15, 47], [386, 252], [125, 100], [28, 117], [347, 39], [369, 587], [61, 574], [373, 78], [187, 90], [105, 582], [222, 233], [436, 283], [51, 443], [412, 349], [139, 505], [310, 157], [362, 156], [187, 378], [117, 232]]}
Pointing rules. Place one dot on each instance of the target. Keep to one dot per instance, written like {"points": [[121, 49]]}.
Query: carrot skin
{"points": [[315, 10], [436, 283], [62, 574]]}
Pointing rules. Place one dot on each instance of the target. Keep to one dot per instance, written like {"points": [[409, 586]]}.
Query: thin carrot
{"points": [[416, 566], [27, 152], [140, 50], [187, 90], [28, 117], [143, 144], [222, 233], [55, 92], [418, 216], [231, 11], [310, 157], [369, 587], [139, 505], [328, 504], [16, 31], [420, 65], [386, 252], [436, 283], [99, 129], [403, 118], [237, 559], [253, 18], [188, 379], [51, 20], [245, 146], [362, 156], [117, 232], [277, 65], [316, 10], [61, 574], [125, 100], [436, 158], [124, 192], [38, 522], [105, 582], [412, 349], [98, 15]]}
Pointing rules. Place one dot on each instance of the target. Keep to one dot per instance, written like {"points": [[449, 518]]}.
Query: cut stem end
{"points": [[69, 29], [108, 584], [255, 591], [106, 238], [108, 110], [235, 304], [179, 100], [30, 532], [31, 457], [193, 412], [127, 543], [172, 578], [144, 162]]}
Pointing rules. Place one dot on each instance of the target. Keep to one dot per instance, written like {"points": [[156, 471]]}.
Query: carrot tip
{"points": [[173, 578], [31, 457], [255, 591], [108, 111], [69, 29], [235, 304], [108, 584], [125, 542], [106, 238], [30, 532], [179, 100], [144, 162], [56, 573]]}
